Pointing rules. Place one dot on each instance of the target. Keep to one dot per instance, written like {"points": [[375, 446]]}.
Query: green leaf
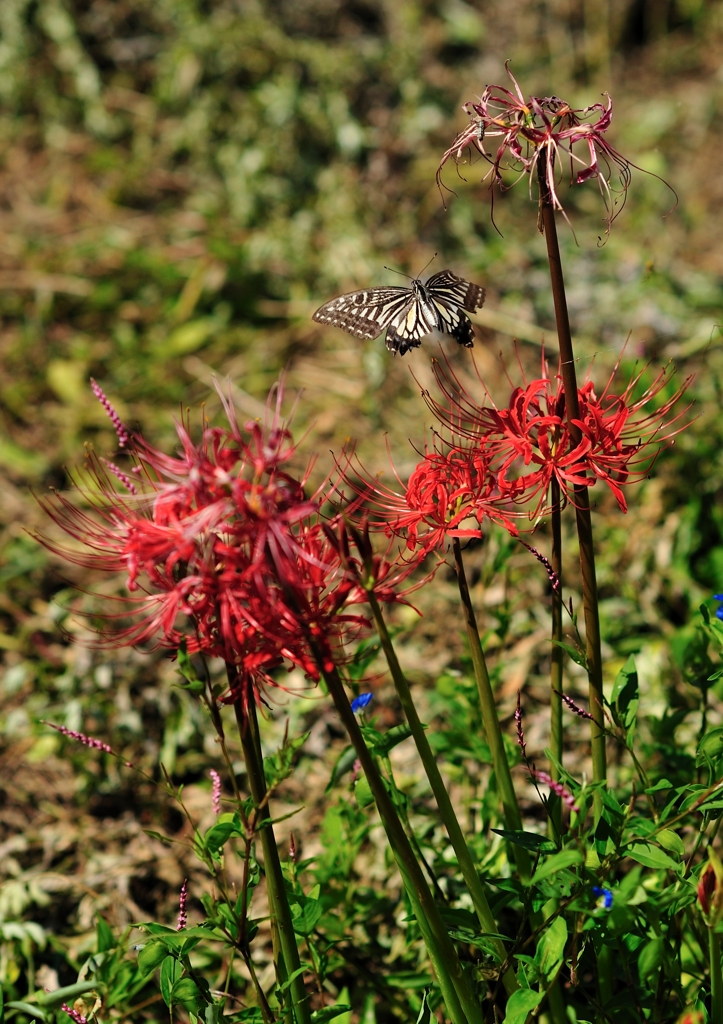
{"points": [[105, 939], [344, 763], [363, 793], [651, 957], [551, 949], [171, 971], [527, 840], [152, 955], [218, 835], [575, 654], [520, 1004], [32, 1011], [671, 841], [425, 1014], [409, 979], [563, 859], [187, 993], [390, 739], [625, 695], [711, 745], [329, 1012], [306, 911], [280, 765], [650, 856], [66, 994]]}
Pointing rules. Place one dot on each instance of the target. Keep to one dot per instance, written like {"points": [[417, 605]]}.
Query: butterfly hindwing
{"points": [[409, 314]]}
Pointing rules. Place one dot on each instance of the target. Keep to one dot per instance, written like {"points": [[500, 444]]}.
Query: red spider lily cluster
{"points": [[488, 461], [224, 551], [543, 129]]}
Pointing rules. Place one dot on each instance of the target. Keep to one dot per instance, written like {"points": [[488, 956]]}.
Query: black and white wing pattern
{"points": [[365, 314], [409, 314]]}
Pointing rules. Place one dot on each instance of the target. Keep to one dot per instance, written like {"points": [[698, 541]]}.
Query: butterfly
{"points": [[409, 314]]}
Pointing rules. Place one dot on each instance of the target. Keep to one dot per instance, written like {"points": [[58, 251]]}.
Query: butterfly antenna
{"points": [[399, 272], [427, 264]]}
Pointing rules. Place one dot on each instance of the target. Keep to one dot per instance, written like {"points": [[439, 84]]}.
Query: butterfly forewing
{"points": [[409, 314], [366, 313]]}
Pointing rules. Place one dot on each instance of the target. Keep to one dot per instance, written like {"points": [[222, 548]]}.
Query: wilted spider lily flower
{"points": [[539, 134]]}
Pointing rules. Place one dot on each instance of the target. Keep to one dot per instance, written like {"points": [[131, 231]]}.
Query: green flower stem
{"points": [[462, 1006], [555, 805], [716, 978], [282, 922], [581, 495], [446, 810], [490, 721]]}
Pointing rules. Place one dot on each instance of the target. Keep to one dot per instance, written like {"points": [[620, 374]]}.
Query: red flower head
{"points": [[544, 129], [529, 443], [222, 550], [447, 492]]}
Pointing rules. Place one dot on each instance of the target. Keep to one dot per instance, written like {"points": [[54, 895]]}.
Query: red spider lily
{"points": [[542, 128], [529, 443], [446, 490], [223, 551]]}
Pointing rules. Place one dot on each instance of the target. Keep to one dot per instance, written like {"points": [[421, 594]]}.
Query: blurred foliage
{"points": [[181, 183]]}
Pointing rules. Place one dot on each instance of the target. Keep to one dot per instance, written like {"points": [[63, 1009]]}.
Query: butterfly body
{"points": [[408, 314]]}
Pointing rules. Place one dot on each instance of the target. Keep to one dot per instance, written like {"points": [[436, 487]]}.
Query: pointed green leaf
{"points": [[528, 840], [520, 1004], [561, 860]]}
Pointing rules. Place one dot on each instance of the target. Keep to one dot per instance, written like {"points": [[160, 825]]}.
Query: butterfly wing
{"points": [[450, 295], [415, 321], [456, 291], [366, 313]]}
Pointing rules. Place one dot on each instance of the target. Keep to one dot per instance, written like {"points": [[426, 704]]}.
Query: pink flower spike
{"points": [[520, 731], [182, 900], [551, 574], [88, 741], [556, 787], [120, 475], [123, 435], [216, 796], [574, 707], [74, 1015]]}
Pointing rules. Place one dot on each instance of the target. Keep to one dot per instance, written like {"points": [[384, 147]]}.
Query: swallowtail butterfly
{"points": [[409, 314]]}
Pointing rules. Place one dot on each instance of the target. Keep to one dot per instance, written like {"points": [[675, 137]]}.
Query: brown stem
{"points": [[581, 495]]}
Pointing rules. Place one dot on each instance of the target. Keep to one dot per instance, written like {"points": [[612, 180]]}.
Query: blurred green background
{"points": [[181, 184]]}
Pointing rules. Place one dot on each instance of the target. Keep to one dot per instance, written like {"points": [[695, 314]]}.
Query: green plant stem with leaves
{"points": [[282, 921], [461, 1002], [556, 655], [490, 721], [581, 493], [446, 810], [716, 977]]}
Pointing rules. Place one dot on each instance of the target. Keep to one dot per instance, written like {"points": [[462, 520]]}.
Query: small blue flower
{"points": [[604, 897], [360, 702], [719, 609]]}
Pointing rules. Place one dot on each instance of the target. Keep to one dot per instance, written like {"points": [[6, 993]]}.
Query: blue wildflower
{"points": [[360, 702], [719, 609], [604, 897]]}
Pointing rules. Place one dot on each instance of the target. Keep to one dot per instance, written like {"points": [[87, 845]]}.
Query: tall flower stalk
{"points": [[581, 493]]}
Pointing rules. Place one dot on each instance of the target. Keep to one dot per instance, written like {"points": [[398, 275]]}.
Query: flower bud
{"points": [[710, 890]]}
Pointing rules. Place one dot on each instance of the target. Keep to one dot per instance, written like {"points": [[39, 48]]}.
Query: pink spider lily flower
{"points": [[526, 131]]}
